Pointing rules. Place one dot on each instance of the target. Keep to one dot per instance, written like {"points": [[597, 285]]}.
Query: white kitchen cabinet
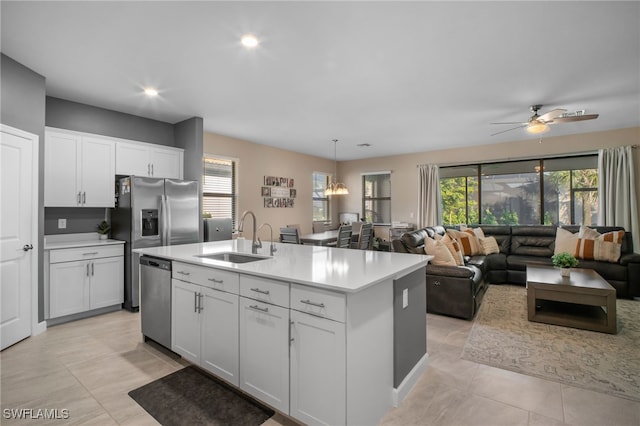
{"points": [[79, 170], [204, 326], [86, 278], [144, 159], [264, 352], [318, 370]]}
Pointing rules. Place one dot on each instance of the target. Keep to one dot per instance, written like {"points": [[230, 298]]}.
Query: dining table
{"points": [[322, 238]]}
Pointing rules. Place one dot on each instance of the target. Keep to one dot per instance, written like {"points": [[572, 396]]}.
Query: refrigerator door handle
{"points": [[167, 218], [163, 221]]}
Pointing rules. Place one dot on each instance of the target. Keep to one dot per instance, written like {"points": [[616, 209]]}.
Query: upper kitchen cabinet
{"points": [[79, 169], [144, 159]]}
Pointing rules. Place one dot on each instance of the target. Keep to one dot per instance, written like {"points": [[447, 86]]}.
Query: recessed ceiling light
{"points": [[249, 41], [151, 92]]}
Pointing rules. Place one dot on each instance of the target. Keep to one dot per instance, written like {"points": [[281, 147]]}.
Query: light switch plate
{"points": [[405, 298], [62, 223]]}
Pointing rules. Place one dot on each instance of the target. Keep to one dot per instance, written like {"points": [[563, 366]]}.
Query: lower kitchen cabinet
{"points": [[205, 328], [264, 352], [82, 279], [318, 370]]}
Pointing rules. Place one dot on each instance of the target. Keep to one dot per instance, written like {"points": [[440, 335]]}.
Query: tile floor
{"points": [[88, 366]]}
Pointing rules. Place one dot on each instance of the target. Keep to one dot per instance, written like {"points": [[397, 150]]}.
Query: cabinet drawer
{"points": [[319, 302], [83, 253], [265, 290], [217, 279]]}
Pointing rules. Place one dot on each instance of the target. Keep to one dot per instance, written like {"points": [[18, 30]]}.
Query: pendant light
{"points": [[336, 188]]}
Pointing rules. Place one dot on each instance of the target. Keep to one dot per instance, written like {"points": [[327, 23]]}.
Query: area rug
{"points": [[502, 337], [192, 397]]}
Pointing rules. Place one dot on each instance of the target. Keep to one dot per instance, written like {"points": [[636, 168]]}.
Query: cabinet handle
{"points": [[291, 339], [309, 302], [200, 307], [84, 198], [91, 253], [257, 290], [148, 169], [215, 281], [79, 197], [92, 269], [258, 308], [183, 273], [195, 302], [151, 169], [87, 269]]}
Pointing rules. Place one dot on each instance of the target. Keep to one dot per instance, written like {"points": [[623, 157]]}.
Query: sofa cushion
{"points": [[519, 263], [489, 245], [566, 242], [532, 245], [502, 234], [414, 240], [453, 247], [441, 254]]}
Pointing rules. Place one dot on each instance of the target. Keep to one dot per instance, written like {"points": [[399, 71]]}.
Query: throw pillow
{"points": [[453, 247], [467, 240], [489, 245], [596, 246], [588, 233], [441, 254], [566, 242]]}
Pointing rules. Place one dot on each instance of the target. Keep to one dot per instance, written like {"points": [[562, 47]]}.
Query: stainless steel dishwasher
{"points": [[155, 299]]}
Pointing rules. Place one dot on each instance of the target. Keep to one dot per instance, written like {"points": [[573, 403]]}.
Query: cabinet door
{"points": [[318, 370], [97, 165], [132, 159], [219, 341], [61, 174], [166, 163], [185, 324], [107, 282], [68, 288], [264, 352]]}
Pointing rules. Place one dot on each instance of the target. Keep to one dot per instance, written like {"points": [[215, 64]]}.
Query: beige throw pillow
{"points": [[467, 240], [566, 242], [441, 254], [489, 245], [453, 247], [596, 246]]}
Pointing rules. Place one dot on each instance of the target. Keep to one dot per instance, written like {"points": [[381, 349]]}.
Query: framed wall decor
{"points": [[278, 192]]}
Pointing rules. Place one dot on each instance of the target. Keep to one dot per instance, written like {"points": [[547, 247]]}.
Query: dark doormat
{"points": [[192, 397]]}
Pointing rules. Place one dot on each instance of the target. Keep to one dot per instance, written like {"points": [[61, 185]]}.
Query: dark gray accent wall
{"points": [[409, 324], [189, 136], [70, 115], [79, 219], [23, 107]]}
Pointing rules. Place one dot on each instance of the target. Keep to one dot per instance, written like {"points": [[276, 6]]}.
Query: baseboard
{"points": [[39, 328], [401, 392]]}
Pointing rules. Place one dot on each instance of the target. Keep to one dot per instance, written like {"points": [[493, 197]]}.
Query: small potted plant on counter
{"points": [[103, 230], [565, 261]]}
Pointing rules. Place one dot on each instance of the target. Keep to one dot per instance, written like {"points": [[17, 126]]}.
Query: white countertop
{"points": [[345, 270], [62, 241]]}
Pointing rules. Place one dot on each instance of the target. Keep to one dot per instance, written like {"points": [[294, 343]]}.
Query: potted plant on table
{"points": [[103, 230], [565, 261]]}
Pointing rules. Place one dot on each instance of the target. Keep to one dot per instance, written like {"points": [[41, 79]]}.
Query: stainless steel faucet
{"points": [[272, 247], [255, 243]]}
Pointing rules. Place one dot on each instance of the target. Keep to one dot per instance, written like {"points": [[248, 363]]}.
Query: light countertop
{"points": [[62, 241], [345, 270]]}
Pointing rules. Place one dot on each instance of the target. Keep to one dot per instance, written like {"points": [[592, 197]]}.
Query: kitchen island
{"points": [[325, 335]]}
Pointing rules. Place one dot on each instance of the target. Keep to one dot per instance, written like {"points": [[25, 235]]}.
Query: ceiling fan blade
{"points": [[511, 122], [508, 130], [575, 118], [549, 116]]}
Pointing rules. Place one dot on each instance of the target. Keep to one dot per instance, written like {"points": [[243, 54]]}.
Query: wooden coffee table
{"points": [[584, 300]]}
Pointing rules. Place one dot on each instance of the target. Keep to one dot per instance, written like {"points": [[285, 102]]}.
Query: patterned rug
{"points": [[502, 337]]}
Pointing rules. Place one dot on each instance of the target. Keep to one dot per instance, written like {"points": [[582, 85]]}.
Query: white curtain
{"points": [[617, 191], [428, 195]]}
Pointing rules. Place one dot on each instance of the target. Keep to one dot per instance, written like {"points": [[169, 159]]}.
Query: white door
{"points": [[185, 324], [17, 216], [98, 168], [107, 282], [61, 173], [69, 288], [165, 163]]}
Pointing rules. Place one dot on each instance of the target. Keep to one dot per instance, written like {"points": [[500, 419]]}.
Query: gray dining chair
{"points": [[365, 240], [344, 236], [289, 236]]}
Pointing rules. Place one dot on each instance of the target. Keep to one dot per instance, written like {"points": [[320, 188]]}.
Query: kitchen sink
{"points": [[233, 257]]}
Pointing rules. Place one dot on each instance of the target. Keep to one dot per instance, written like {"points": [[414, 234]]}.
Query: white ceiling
{"points": [[402, 76]]}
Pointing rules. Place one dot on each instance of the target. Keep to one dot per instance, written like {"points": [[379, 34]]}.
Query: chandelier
{"points": [[336, 188]]}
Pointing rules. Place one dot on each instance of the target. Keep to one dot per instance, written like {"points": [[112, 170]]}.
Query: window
{"points": [[320, 201], [376, 198], [219, 198], [556, 191]]}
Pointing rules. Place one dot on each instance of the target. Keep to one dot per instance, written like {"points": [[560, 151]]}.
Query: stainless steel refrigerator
{"points": [[152, 212]]}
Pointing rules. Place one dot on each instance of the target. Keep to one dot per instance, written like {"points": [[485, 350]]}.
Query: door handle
{"points": [[27, 247]]}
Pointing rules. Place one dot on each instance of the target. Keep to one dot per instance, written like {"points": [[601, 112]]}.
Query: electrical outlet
{"points": [[62, 223], [405, 298]]}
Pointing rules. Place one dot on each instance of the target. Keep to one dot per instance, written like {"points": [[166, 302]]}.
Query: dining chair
{"points": [[365, 240], [319, 226], [289, 236], [297, 227], [355, 233], [344, 236]]}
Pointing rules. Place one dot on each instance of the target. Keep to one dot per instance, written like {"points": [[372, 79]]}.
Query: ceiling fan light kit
{"points": [[336, 188], [537, 127]]}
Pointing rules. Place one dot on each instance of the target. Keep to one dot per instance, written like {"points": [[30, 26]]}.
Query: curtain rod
{"points": [[501, 160]]}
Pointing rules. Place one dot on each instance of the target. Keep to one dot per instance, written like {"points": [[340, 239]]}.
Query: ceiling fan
{"points": [[539, 123]]}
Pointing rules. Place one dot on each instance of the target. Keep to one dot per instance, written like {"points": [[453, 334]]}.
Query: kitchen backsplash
{"points": [[78, 219]]}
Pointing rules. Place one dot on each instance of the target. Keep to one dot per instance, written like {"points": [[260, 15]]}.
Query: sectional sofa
{"points": [[458, 290]]}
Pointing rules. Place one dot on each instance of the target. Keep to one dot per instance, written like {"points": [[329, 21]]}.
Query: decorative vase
{"points": [[565, 272], [102, 236]]}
